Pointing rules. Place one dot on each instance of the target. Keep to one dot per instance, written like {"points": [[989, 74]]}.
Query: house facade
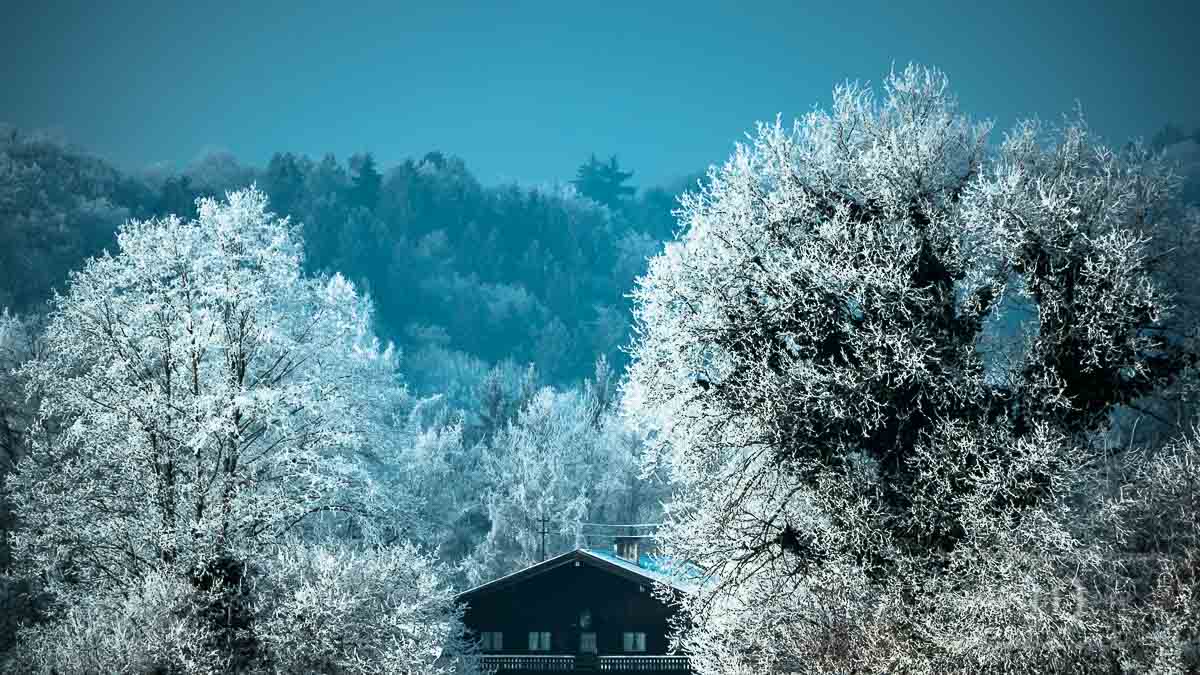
{"points": [[585, 610]]}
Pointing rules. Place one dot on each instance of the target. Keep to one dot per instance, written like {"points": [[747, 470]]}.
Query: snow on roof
{"points": [[648, 568], [653, 568]]}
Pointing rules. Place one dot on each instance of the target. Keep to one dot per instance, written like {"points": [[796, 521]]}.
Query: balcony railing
{"points": [[530, 662], [643, 664], [560, 663]]}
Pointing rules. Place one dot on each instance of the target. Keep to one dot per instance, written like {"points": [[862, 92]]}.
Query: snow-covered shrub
{"points": [[156, 625], [341, 609]]}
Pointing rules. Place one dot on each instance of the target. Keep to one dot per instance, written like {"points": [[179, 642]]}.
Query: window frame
{"points": [[540, 641], [633, 642], [491, 640]]}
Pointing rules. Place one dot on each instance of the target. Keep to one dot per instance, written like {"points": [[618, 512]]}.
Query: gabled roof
{"points": [[648, 574]]}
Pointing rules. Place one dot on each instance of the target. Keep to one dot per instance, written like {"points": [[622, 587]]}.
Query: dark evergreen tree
{"points": [[603, 182], [283, 182], [366, 181]]}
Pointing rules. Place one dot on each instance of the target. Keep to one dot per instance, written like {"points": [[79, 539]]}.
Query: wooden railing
{"points": [[642, 664], [527, 662]]}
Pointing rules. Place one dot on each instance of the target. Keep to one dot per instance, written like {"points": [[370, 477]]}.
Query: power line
{"points": [[618, 525]]}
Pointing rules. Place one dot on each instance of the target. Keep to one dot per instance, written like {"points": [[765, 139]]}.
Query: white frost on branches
{"points": [[862, 488], [203, 471], [205, 394], [566, 459], [343, 610]]}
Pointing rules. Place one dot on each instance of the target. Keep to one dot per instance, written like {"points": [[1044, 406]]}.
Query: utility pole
{"points": [[543, 520]]}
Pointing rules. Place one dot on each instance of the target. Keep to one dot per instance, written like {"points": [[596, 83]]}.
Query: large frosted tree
{"points": [[209, 416], [860, 476], [201, 398]]}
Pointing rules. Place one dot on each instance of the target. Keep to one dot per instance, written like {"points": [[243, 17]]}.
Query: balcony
{"points": [[565, 664], [528, 663], [644, 664]]}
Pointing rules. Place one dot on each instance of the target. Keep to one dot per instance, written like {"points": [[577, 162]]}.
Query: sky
{"points": [[525, 91]]}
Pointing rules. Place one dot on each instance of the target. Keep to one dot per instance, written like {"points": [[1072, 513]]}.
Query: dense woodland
{"points": [[909, 396], [459, 273], [506, 306]]}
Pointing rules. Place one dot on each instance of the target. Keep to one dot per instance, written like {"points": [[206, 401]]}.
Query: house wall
{"points": [[554, 600]]}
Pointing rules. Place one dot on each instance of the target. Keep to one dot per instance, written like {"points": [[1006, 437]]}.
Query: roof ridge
{"points": [[599, 559]]}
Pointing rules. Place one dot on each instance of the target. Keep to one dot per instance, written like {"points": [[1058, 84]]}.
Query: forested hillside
{"points": [[462, 275], [909, 399]]}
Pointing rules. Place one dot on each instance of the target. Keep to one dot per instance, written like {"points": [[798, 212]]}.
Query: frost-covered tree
{"points": [[1152, 601], [204, 403], [57, 206], [861, 484], [158, 625], [417, 460], [218, 171], [343, 609], [1172, 252], [565, 459], [533, 486], [327, 608], [204, 399], [19, 342]]}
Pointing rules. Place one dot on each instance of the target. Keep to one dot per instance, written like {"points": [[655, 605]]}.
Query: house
{"points": [[584, 610]]}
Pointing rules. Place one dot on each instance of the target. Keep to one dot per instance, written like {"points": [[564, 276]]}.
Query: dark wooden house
{"points": [[585, 610]]}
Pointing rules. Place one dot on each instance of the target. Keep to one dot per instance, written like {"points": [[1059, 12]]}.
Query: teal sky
{"points": [[525, 90]]}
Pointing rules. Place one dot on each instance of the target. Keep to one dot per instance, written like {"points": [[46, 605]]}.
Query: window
{"points": [[587, 643], [634, 642], [539, 641], [491, 641]]}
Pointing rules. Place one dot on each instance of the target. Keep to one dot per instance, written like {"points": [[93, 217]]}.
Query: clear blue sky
{"points": [[525, 90]]}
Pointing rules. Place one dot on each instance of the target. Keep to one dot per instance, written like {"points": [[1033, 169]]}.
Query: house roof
{"points": [[646, 570]]}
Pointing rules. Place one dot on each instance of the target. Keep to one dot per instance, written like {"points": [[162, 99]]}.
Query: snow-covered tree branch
{"points": [[204, 405], [203, 398], [862, 484]]}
